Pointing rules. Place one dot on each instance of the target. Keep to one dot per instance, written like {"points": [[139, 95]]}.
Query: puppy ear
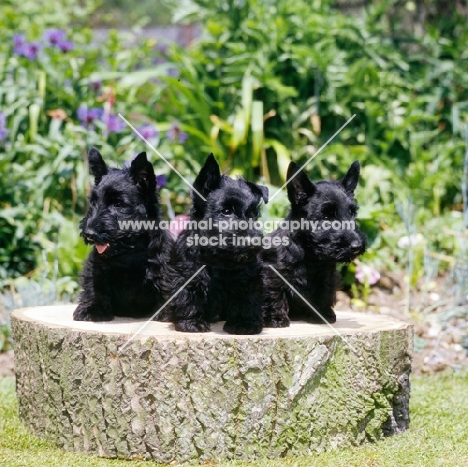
{"points": [[97, 166], [350, 180], [208, 179], [300, 188], [260, 190], [142, 173]]}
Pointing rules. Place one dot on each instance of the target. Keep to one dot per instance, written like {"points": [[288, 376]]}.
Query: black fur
{"points": [[308, 261], [122, 275], [229, 287]]}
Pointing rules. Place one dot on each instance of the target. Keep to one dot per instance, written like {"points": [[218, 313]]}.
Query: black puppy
{"points": [[307, 255], [122, 274], [229, 285]]}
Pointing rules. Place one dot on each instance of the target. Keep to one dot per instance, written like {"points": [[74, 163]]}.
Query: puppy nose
{"points": [[90, 233]]}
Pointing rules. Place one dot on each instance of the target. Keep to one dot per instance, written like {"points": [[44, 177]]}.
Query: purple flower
{"points": [[367, 274], [176, 134], [66, 46], [114, 123], [58, 38], [96, 85], [87, 116], [82, 113], [173, 72], [25, 49], [28, 50], [54, 36], [3, 131], [158, 60], [32, 49], [18, 42], [94, 113], [161, 180], [148, 131]]}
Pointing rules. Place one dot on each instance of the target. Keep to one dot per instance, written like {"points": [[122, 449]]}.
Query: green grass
{"points": [[437, 437]]}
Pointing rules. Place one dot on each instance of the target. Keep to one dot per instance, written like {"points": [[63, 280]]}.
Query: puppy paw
{"points": [[92, 313], [277, 322], [246, 327], [164, 317], [192, 325]]}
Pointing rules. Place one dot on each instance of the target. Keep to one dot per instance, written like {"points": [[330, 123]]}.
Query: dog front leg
{"points": [[275, 307], [244, 312], [94, 303], [188, 308]]}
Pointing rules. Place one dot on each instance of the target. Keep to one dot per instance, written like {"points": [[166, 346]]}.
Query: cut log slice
{"points": [[170, 396]]}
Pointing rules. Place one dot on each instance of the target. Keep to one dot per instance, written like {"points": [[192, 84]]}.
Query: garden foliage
{"points": [[267, 82]]}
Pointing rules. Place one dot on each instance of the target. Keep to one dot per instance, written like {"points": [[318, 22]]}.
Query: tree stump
{"points": [[172, 396]]}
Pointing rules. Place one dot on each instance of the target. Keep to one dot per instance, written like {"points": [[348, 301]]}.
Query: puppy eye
{"points": [[227, 211], [118, 204], [328, 212]]}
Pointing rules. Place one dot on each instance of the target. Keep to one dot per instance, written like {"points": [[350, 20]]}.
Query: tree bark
{"points": [[172, 396]]}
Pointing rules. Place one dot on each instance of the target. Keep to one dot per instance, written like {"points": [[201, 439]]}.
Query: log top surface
{"points": [[348, 323]]}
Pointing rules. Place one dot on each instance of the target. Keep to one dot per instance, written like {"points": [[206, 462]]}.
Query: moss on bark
{"points": [[180, 398]]}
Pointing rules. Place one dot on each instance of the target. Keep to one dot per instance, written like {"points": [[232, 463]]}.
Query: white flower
{"points": [[410, 241]]}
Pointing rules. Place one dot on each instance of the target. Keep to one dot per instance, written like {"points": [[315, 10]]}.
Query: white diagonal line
{"points": [[316, 154], [161, 156], [313, 308], [157, 313]]}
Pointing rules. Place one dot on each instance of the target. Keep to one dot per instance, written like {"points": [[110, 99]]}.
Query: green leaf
{"points": [[34, 111], [257, 132]]}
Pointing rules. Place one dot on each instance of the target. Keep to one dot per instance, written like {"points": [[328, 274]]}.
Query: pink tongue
{"points": [[102, 248]]}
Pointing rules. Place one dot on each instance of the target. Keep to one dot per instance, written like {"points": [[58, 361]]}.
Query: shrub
{"points": [[255, 96], [53, 108]]}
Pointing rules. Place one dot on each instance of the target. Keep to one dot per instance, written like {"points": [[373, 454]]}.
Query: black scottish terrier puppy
{"points": [[122, 274], [309, 258], [229, 287]]}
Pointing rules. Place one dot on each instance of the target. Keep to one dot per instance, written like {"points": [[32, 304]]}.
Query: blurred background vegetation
{"points": [[258, 83]]}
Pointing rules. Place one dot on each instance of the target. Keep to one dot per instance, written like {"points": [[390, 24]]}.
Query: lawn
{"points": [[437, 437]]}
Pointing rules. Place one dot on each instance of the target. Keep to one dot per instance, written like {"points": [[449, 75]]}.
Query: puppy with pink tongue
{"points": [[122, 274]]}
